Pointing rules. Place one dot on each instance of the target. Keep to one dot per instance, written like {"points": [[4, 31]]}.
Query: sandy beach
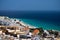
{"points": [[13, 29]]}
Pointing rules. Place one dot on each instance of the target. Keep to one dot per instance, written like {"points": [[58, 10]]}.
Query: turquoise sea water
{"points": [[44, 25], [37, 16]]}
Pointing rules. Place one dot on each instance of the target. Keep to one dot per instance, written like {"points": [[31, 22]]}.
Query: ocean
{"points": [[46, 19]]}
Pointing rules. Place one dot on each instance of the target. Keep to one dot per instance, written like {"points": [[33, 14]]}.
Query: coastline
{"points": [[31, 26], [44, 25], [15, 28]]}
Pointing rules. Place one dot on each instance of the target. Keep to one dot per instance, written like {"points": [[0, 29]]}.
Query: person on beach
{"points": [[35, 35]]}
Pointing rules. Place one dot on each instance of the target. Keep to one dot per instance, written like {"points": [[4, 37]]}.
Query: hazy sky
{"points": [[30, 5]]}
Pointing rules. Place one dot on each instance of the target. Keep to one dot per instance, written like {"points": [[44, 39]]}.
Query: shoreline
{"points": [[30, 26], [23, 23], [15, 28]]}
